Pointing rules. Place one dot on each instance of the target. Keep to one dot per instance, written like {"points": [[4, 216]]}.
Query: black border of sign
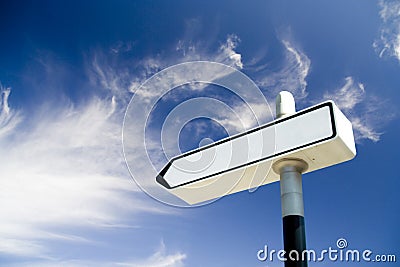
{"points": [[160, 177]]}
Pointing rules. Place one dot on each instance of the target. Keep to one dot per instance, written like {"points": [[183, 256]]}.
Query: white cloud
{"points": [[105, 76], [5, 109], [62, 167], [244, 117], [160, 258], [364, 130], [291, 76], [196, 51], [188, 44], [364, 110], [348, 96], [8, 119], [300, 66], [228, 54], [194, 47], [388, 43], [104, 70]]}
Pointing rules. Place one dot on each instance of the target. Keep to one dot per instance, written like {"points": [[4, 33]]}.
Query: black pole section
{"points": [[294, 239]]}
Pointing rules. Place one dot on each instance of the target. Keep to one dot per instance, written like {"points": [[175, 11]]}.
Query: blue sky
{"points": [[68, 70]]}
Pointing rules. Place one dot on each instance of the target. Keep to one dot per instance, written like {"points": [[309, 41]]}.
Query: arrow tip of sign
{"points": [[160, 179]]}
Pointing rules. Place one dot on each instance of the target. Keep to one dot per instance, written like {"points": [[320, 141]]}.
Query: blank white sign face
{"points": [[293, 133]]}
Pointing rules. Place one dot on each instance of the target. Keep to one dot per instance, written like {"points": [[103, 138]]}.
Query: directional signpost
{"points": [[293, 144]]}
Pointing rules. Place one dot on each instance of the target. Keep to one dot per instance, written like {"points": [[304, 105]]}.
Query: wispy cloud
{"points": [[292, 74], [244, 117], [63, 168], [226, 53], [5, 93], [105, 76], [388, 43], [361, 108], [104, 70], [9, 119], [364, 110], [229, 56], [160, 258], [347, 96], [193, 46]]}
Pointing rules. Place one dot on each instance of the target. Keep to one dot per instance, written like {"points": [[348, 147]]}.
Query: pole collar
{"points": [[289, 164]]}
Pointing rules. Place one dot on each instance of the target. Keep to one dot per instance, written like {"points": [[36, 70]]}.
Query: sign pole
{"points": [[290, 171]]}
